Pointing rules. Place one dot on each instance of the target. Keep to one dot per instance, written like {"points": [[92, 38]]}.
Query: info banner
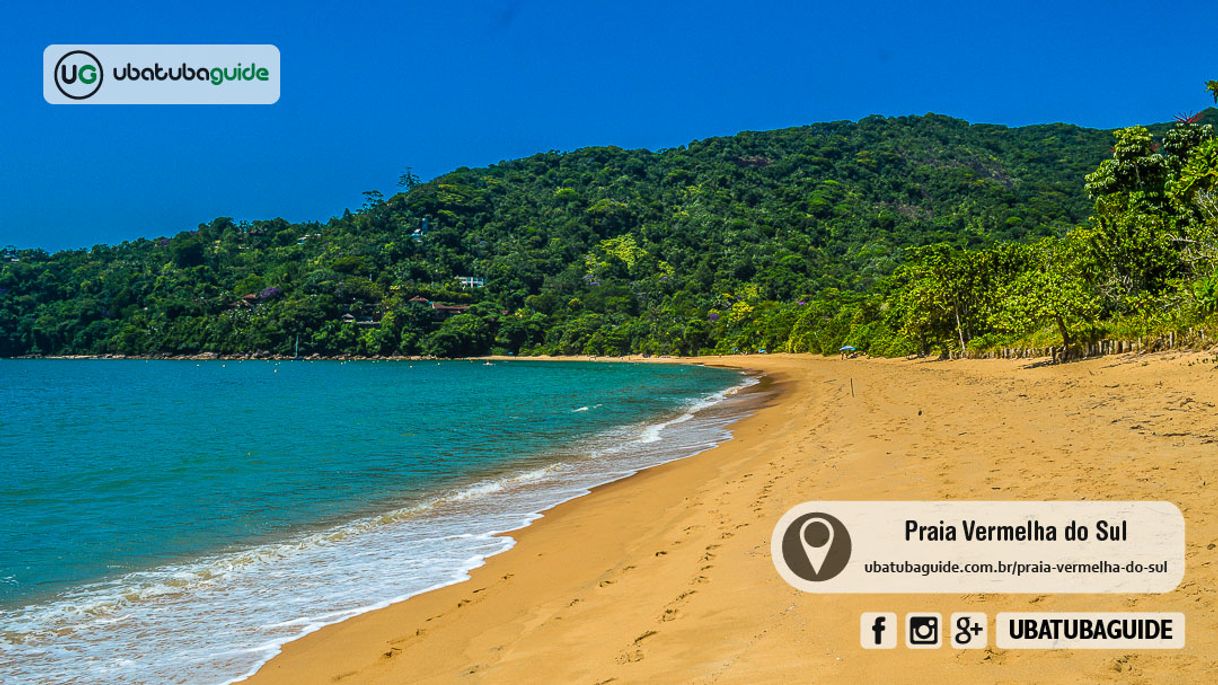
{"points": [[981, 547]]}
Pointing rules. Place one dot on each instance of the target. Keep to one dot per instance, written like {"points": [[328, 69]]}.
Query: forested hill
{"points": [[599, 250]]}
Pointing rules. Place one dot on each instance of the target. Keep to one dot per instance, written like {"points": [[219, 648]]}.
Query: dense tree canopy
{"points": [[897, 235]]}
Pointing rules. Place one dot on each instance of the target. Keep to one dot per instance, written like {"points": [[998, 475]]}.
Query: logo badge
{"points": [[809, 545], [78, 74], [160, 74]]}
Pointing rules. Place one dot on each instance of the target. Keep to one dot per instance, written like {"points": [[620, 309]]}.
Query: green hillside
{"points": [[787, 239]]}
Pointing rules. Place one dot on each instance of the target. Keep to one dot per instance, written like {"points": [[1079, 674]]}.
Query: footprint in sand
{"points": [[630, 657], [1124, 663]]}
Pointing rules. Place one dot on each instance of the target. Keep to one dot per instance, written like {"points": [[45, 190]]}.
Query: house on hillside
{"points": [[471, 281], [246, 301], [444, 310], [350, 318], [447, 310], [421, 232]]}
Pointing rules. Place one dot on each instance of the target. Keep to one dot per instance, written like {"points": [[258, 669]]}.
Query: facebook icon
{"points": [[877, 630]]}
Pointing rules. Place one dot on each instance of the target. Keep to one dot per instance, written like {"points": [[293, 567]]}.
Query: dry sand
{"points": [[666, 577]]}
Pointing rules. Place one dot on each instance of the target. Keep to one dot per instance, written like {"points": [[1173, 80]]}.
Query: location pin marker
{"points": [[820, 532]]}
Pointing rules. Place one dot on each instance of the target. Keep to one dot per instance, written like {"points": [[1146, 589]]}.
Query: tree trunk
{"points": [[960, 332], [1065, 333]]}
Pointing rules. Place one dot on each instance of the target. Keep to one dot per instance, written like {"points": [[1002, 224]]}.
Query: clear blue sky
{"points": [[369, 88]]}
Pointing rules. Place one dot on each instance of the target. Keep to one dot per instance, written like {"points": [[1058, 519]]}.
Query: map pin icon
{"points": [[816, 536]]}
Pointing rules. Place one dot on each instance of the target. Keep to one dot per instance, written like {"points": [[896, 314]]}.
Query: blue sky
{"points": [[369, 88]]}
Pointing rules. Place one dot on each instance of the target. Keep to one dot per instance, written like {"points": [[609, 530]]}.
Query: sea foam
{"points": [[218, 618]]}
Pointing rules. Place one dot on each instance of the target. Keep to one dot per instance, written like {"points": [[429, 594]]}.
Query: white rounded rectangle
{"points": [[878, 630], [969, 630], [981, 546], [160, 74], [1090, 630], [923, 630]]}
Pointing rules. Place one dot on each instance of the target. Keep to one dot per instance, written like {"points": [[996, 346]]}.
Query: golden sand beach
{"points": [[666, 576]]}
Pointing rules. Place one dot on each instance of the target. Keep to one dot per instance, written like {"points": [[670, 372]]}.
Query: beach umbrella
{"points": [[847, 348]]}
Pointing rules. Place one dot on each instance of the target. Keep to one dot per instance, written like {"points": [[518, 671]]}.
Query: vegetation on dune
{"points": [[896, 235]]}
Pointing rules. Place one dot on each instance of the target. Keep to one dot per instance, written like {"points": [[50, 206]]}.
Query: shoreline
{"points": [[413, 560], [216, 356], [766, 388], [678, 586], [760, 386]]}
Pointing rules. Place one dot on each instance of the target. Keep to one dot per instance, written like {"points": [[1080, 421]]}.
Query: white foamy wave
{"points": [[652, 433], [218, 618]]}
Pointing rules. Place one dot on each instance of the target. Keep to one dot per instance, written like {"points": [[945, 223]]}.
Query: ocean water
{"points": [[177, 522]]}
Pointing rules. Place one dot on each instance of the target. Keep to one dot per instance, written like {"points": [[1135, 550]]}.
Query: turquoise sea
{"points": [[177, 521]]}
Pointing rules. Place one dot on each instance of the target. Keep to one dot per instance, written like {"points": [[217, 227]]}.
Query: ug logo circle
{"points": [[78, 74]]}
